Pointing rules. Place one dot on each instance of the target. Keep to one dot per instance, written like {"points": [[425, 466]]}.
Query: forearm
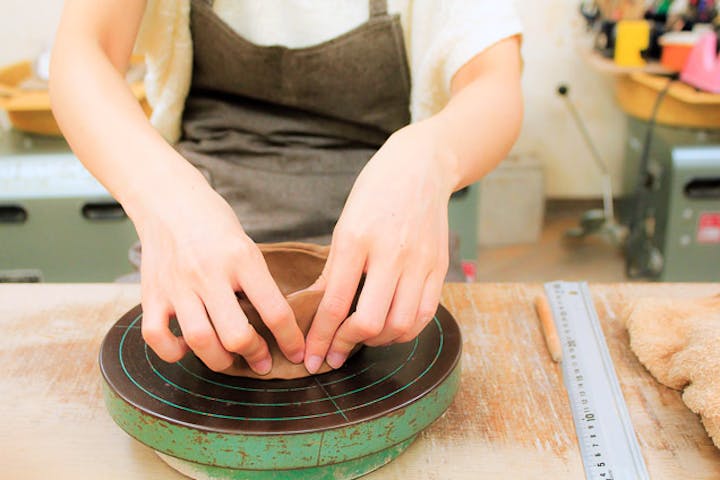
{"points": [[104, 123], [482, 120]]}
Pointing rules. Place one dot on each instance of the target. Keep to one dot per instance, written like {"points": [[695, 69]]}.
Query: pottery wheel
{"points": [[341, 424]]}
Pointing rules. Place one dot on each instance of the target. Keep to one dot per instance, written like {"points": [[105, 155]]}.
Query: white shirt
{"points": [[440, 37]]}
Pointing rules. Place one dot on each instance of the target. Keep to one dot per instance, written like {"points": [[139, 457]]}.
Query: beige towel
{"points": [[678, 341]]}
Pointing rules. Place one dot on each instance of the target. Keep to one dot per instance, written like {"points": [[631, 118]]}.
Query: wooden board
{"points": [[608, 66], [510, 418], [683, 106]]}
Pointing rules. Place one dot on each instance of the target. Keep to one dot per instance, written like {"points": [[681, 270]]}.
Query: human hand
{"points": [[195, 257], [394, 228]]}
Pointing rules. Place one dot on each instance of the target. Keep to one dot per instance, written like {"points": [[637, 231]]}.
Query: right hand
{"points": [[195, 256]]}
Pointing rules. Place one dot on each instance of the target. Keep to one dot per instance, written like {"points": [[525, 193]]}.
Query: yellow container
{"points": [[29, 110], [632, 37]]}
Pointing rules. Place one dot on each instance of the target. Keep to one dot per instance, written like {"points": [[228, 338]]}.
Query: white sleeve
{"points": [[446, 34]]}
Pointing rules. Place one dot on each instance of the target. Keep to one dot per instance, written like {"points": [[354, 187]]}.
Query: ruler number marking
{"points": [[588, 375]]}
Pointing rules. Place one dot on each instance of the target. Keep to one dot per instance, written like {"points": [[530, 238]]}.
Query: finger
{"points": [[235, 332], [369, 317], [156, 331], [342, 271], [199, 333], [268, 300], [403, 310], [428, 305], [320, 283]]}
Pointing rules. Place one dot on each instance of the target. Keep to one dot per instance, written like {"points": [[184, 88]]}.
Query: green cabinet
{"points": [[57, 223]]}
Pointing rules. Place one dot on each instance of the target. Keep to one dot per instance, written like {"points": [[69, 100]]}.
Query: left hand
{"points": [[394, 228]]}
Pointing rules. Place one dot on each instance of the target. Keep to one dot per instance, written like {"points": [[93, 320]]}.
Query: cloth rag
{"points": [[678, 341]]}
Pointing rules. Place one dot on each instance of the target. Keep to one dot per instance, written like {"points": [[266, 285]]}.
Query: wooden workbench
{"points": [[509, 420]]}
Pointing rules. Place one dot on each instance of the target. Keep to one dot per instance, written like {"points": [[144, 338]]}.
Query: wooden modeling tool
{"points": [[552, 341]]}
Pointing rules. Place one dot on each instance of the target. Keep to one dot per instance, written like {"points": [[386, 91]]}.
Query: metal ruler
{"points": [[607, 440]]}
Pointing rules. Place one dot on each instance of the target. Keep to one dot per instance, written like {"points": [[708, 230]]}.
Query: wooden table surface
{"points": [[510, 418]]}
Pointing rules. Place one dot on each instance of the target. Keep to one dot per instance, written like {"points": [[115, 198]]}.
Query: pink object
{"points": [[469, 268], [702, 69]]}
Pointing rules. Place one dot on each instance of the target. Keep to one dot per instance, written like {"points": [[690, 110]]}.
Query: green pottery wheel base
{"points": [[350, 469], [338, 425]]}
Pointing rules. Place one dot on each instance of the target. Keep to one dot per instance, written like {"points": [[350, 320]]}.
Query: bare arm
{"points": [[482, 120], [98, 113], [394, 225], [195, 252]]}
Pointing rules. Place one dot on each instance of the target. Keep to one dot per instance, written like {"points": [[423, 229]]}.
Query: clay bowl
{"points": [[295, 267]]}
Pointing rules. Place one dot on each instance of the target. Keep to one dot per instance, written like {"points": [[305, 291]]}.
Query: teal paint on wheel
{"points": [[342, 424]]}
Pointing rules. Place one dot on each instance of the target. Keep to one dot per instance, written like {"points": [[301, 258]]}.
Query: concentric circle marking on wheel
{"points": [[353, 418]]}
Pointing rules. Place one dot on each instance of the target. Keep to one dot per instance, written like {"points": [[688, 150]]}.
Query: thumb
{"points": [[320, 283]]}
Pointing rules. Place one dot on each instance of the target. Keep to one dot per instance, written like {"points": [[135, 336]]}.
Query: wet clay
{"points": [[295, 266]]}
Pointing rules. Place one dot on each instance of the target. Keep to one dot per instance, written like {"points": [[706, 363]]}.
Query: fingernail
{"points": [[263, 367], [313, 363], [297, 357], [335, 359]]}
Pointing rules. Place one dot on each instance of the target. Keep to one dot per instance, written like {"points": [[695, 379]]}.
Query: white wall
{"points": [[553, 32], [26, 30], [26, 27], [552, 49]]}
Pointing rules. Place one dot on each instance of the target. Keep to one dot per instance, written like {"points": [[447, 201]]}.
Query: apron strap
{"points": [[378, 8]]}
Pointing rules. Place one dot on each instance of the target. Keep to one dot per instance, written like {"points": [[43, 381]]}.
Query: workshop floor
{"points": [[553, 257]]}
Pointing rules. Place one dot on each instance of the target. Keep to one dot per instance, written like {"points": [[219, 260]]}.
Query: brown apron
{"points": [[282, 133]]}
